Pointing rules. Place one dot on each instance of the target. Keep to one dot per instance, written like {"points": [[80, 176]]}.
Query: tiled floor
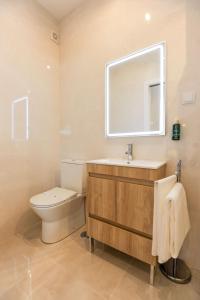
{"points": [[32, 270]]}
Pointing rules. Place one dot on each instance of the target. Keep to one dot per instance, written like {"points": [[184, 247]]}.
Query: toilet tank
{"points": [[73, 175]]}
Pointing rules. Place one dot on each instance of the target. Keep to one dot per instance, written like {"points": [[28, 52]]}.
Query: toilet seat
{"points": [[53, 197]]}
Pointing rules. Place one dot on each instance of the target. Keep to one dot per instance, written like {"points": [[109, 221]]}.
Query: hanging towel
{"points": [[161, 219], [179, 218]]}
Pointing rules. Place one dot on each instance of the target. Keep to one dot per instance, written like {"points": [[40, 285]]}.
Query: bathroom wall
{"points": [[28, 164], [100, 31]]}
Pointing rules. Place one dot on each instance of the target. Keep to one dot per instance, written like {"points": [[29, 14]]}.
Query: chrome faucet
{"points": [[129, 153]]}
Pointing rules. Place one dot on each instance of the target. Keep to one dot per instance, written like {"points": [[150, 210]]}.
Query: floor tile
{"points": [[33, 270]]}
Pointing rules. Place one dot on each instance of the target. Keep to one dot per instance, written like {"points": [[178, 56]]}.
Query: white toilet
{"points": [[62, 209]]}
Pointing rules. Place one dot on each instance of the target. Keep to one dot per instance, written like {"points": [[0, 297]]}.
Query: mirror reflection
{"points": [[135, 94]]}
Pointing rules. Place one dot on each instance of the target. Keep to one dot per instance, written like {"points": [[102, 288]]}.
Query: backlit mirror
{"points": [[135, 93]]}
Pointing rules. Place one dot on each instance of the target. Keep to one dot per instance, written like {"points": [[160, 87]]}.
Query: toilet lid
{"points": [[52, 197]]}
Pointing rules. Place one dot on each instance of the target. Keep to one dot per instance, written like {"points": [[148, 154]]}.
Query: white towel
{"points": [[161, 236], [171, 220], [179, 218]]}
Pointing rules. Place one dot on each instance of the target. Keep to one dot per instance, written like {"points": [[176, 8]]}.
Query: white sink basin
{"points": [[145, 164]]}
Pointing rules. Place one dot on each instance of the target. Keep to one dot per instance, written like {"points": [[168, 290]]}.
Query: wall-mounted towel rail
{"points": [[178, 170], [175, 269]]}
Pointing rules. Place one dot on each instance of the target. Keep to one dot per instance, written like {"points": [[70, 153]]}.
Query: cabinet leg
{"points": [[152, 274], [91, 244]]}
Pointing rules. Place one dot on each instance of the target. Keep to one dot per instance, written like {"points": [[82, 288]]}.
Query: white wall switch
{"points": [[188, 98]]}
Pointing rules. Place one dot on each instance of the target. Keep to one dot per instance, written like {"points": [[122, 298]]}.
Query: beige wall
{"points": [[100, 31], [27, 167]]}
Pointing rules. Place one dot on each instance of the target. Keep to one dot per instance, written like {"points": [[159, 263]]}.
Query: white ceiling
{"points": [[60, 8]]}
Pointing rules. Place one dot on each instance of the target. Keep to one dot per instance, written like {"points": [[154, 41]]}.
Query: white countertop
{"points": [[144, 164]]}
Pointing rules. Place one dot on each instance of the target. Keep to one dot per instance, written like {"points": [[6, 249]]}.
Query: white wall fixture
{"points": [[128, 106], [55, 37], [20, 119], [66, 131], [188, 97]]}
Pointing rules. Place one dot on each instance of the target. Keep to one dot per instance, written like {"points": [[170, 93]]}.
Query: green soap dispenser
{"points": [[176, 131]]}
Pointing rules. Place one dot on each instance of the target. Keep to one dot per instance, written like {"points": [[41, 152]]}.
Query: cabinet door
{"points": [[102, 198], [135, 206], [123, 240]]}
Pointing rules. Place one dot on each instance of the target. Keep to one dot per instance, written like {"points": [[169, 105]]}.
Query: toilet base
{"points": [[56, 231]]}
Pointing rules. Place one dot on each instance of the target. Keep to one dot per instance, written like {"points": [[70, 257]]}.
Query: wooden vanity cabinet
{"points": [[120, 209], [102, 198], [134, 206]]}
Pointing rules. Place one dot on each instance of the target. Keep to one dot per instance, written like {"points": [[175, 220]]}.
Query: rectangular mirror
{"points": [[135, 94]]}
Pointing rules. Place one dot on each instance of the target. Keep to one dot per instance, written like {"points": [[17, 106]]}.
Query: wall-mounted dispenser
{"points": [[176, 131]]}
